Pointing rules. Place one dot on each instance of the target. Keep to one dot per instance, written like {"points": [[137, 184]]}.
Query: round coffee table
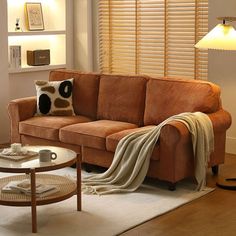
{"points": [[67, 187]]}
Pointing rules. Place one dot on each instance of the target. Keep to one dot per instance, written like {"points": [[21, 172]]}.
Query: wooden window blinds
{"points": [[153, 37]]}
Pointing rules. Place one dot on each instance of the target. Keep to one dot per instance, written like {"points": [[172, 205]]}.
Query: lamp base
{"points": [[226, 183]]}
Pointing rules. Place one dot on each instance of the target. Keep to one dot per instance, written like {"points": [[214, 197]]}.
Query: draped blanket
{"points": [[132, 156]]}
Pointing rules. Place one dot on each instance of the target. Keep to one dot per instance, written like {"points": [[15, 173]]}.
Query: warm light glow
{"points": [[221, 37], [15, 3], [56, 44]]}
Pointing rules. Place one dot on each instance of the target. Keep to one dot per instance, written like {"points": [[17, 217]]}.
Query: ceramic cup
{"points": [[16, 147], [46, 155]]}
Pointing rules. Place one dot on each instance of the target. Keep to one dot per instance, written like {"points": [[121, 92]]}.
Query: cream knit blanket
{"points": [[133, 152]]}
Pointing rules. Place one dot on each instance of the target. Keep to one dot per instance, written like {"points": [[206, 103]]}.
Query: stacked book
{"points": [[15, 56], [23, 186]]}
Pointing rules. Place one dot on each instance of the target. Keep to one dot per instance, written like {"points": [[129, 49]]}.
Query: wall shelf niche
{"points": [[45, 32], [53, 37]]}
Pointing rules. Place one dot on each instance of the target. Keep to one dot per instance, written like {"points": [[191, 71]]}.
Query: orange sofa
{"points": [[108, 107]]}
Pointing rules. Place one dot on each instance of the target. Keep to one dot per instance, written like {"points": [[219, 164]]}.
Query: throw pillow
{"points": [[54, 97]]}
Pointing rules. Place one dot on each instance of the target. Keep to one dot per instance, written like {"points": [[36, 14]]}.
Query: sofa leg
{"points": [[215, 169], [172, 186]]}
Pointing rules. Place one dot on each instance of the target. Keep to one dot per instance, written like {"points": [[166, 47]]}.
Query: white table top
{"points": [[64, 157]]}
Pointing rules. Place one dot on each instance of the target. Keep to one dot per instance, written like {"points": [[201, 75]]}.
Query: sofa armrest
{"points": [[176, 130], [19, 110], [176, 145], [221, 120]]}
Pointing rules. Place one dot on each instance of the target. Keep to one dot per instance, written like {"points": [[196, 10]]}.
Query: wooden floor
{"points": [[212, 214]]}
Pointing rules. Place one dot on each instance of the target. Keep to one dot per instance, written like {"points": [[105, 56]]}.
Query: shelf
{"points": [[34, 33], [35, 68], [53, 37], [54, 14]]}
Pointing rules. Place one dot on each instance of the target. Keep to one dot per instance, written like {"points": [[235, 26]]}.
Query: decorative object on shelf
{"points": [[222, 37], [17, 28], [38, 57], [15, 56], [34, 16]]}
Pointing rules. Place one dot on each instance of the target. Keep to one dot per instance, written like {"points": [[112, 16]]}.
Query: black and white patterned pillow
{"points": [[54, 97]]}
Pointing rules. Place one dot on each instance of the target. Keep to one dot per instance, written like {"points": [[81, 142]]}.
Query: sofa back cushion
{"points": [[85, 90], [122, 98], [167, 97]]}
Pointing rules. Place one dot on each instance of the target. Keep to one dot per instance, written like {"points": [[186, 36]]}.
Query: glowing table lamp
{"points": [[222, 37]]}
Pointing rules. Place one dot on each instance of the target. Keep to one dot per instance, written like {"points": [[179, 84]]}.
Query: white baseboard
{"points": [[230, 145]]}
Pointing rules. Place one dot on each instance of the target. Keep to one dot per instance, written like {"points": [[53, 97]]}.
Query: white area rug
{"points": [[100, 215]]}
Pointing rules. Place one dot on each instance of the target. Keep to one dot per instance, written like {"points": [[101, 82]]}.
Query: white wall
{"points": [[4, 85], [222, 68], [22, 84], [83, 42]]}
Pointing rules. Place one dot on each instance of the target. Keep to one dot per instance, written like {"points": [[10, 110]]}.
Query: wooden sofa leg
{"points": [[172, 186], [215, 169]]}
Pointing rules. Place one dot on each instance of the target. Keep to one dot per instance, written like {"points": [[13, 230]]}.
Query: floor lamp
{"points": [[222, 37]]}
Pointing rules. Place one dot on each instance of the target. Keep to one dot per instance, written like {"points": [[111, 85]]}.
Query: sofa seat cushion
{"points": [[92, 134], [113, 139], [47, 127]]}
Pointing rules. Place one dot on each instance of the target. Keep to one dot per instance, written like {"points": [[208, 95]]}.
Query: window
{"points": [[153, 37]]}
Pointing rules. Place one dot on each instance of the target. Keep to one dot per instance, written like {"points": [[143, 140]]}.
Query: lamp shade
{"points": [[221, 37]]}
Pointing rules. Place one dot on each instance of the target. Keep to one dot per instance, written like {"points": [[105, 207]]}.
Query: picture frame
{"points": [[34, 16]]}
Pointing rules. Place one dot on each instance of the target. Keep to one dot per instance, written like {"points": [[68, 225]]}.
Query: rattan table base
{"points": [[66, 186]]}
